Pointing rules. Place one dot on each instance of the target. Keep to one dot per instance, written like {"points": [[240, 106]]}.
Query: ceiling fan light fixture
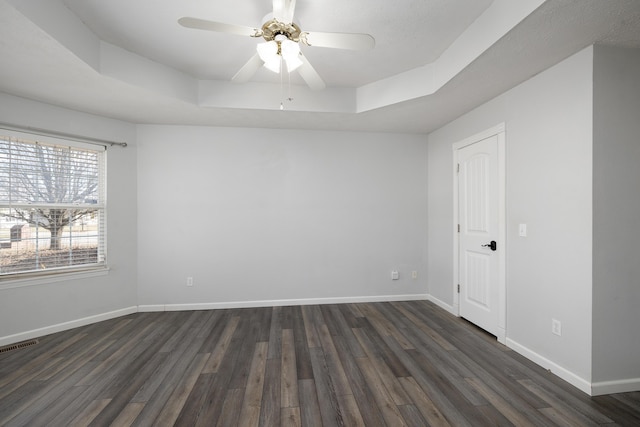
{"points": [[267, 51], [290, 51], [273, 64]]}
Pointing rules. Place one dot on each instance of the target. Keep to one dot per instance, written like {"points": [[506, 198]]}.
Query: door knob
{"points": [[492, 245]]}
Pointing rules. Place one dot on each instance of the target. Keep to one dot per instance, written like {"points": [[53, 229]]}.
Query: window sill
{"points": [[7, 283]]}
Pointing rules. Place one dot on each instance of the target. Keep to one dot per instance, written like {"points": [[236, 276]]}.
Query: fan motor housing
{"points": [[273, 28]]}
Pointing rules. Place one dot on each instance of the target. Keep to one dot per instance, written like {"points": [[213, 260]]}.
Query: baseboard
{"points": [[151, 308], [619, 386], [573, 379], [443, 305], [35, 333], [280, 303]]}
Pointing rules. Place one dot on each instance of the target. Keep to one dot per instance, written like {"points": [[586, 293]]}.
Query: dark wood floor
{"points": [[393, 364]]}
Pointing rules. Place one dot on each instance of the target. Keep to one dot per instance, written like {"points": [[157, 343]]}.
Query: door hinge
{"points": [[458, 168], [458, 228], [458, 287]]}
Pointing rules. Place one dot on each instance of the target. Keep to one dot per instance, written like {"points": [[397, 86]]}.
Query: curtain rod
{"points": [[56, 134]]}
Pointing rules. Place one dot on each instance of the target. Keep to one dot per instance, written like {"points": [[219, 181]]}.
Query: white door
{"points": [[480, 245]]}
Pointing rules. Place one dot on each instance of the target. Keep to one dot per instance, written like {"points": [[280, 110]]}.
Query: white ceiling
{"points": [[433, 60], [409, 33]]}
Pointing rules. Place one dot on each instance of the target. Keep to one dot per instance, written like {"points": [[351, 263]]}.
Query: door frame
{"points": [[499, 131]]}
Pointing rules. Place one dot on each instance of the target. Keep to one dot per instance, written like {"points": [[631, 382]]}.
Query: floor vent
{"points": [[23, 344]]}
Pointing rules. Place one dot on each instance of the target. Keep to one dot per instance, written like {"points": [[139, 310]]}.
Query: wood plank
{"points": [[309, 407], [325, 388], [110, 362], [383, 326], [231, 408], [250, 411], [350, 411], [383, 350], [128, 415], [329, 319], [430, 332], [387, 377], [45, 409], [334, 365], [209, 322], [584, 418], [132, 380], [144, 359], [303, 359], [244, 357], [20, 393], [196, 405], [290, 417], [289, 382], [558, 418], [516, 417], [264, 324], [623, 407], [431, 383], [207, 408], [355, 309], [39, 396], [425, 405], [367, 404], [385, 402], [492, 416], [213, 331], [349, 316], [275, 334], [35, 367], [173, 370], [412, 416], [213, 364], [343, 328], [171, 410], [178, 336], [86, 417], [310, 327], [449, 370], [271, 401], [287, 317]]}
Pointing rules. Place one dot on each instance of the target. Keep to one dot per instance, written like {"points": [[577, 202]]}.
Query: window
{"points": [[52, 208]]}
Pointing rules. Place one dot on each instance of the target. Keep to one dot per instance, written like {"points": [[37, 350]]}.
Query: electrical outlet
{"points": [[189, 281], [395, 275], [414, 274], [556, 327], [522, 230]]}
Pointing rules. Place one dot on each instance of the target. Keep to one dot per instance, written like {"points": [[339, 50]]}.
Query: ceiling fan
{"points": [[282, 37]]}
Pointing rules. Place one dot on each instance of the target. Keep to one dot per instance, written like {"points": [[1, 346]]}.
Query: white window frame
{"points": [[36, 277]]}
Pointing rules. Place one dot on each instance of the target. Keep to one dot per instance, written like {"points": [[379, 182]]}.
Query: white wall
{"points": [[616, 235], [549, 187], [36, 310], [260, 216]]}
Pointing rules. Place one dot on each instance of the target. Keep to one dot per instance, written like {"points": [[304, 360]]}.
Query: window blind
{"points": [[52, 207]]}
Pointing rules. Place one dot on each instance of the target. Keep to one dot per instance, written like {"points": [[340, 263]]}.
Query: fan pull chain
{"points": [[281, 85], [290, 99]]}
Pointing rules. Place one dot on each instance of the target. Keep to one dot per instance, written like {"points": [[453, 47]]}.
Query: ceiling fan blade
{"points": [[203, 24], [248, 70], [351, 41], [310, 75], [283, 10]]}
